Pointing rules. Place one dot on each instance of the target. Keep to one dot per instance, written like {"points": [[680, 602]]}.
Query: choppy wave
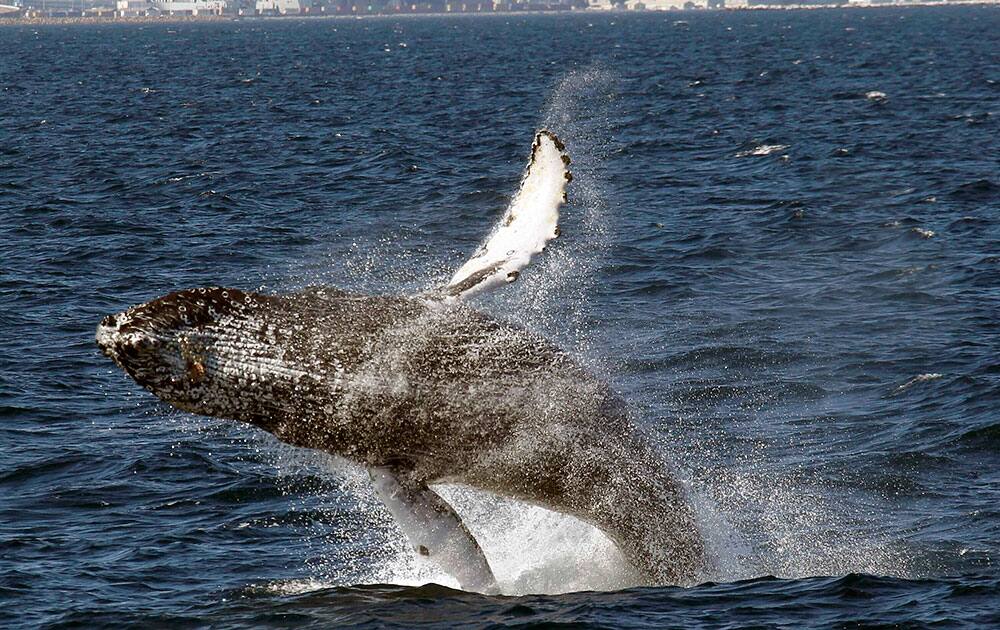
{"points": [[762, 149]]}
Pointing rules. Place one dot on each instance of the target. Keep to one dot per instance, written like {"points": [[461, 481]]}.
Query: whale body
{"points": [[424, 390]]}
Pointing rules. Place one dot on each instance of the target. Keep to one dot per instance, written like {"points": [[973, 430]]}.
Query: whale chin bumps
{"points": [[160, 343], [425, 389]]}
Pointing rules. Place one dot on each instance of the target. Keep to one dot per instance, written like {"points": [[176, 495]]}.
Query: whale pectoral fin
{"points": [[434, 529], [529, 223]]}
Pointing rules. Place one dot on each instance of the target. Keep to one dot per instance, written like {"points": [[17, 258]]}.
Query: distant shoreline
{"points": [[192, 19], [144, 19]]}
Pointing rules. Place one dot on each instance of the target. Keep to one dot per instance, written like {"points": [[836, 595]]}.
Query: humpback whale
{"points": [[425, 390]]}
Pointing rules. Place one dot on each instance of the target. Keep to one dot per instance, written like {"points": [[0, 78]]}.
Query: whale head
{"points": [[191, 350]]}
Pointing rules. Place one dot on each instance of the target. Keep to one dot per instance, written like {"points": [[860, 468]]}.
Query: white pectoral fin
{"points": [[531, 221], [434, 529]]}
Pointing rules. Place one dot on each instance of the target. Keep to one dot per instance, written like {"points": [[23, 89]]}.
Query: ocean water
{"points": [[781, 247]]}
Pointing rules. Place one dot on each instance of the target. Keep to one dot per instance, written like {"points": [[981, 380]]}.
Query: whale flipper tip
{"points": [[530, 221]]}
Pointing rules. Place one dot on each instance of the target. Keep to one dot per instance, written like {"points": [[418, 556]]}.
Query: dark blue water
{"points": [[793, 281]]}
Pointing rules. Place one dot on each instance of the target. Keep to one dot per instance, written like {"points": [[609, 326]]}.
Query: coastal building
{"points": [[58, 7], [188, 7], [665, 5], [68, 8], [131, 8], [277, 7]]}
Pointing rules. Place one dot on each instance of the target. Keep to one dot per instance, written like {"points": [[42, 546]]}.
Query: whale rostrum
{"points": [[426, 390]]}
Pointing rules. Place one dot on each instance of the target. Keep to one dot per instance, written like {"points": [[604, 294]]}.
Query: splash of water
{"points": [[554, 296], [530, 549], [755, 520]]}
